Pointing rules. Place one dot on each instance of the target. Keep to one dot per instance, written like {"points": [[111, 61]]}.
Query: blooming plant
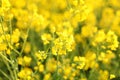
{"points": [[59, 40]]}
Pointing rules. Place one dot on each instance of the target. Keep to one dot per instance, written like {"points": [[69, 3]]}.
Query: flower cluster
{"points": [[59, 40]]}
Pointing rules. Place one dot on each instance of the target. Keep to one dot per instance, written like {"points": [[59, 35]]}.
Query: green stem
{"points": [[5, 74], [25, 40], [8, 67], [10, 28], [68, 4], [5, 58]]}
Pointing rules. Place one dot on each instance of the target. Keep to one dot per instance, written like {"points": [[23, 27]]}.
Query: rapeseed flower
{"points": [[59, 40]]}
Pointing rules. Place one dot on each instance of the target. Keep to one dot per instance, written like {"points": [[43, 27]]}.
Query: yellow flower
{"points": [[103, 75], [46, 38], [8, 51], [88, 31], [20, 60], [107, 16], [47, 76], [99, 37], [41, 67], [114, 3], [25, 73], [5, 6], [63, 43], [38, 23], [15, 36], [19, 3], [41, 55], [80, 61], [112, 40], [112, 76], [106, 57], [67, 72], [27, 60], [90, 60], [27, 48], [51, 65], [3, 46]]}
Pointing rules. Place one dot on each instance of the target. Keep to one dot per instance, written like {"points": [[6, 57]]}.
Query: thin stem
{"points": [[25, 40], [57, 63], [14, 64], [69, 6], [10, 28], [5, 74], [5, 58], [8, 67], [16, 51]]}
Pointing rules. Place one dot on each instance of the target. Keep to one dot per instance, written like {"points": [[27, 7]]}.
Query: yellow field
{"points": [[59, 39]]}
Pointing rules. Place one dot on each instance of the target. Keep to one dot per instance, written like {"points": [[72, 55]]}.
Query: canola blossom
{"points": [[59, 40]]}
